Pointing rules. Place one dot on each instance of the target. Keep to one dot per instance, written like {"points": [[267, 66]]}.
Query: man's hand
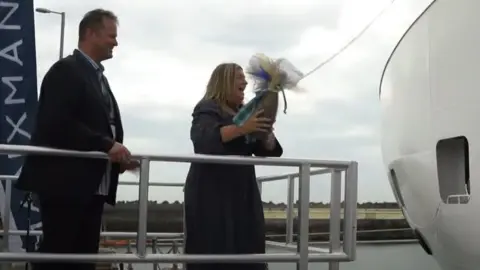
{"points": [[119, 153], [129, 166]]}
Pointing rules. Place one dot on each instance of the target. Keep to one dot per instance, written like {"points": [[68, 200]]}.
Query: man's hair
{"points": [[220, 85], [94, 20]]}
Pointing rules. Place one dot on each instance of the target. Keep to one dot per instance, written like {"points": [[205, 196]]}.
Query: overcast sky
{"points": [[167, 50]]}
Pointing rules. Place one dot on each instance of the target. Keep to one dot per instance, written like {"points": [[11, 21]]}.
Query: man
{"points": [[77, 111]]}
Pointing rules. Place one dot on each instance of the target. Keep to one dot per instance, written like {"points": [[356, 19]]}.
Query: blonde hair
{"points": [[221, 83]]}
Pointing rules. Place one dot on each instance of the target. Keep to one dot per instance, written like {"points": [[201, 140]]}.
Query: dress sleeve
{"points": [[259, 150], [205, 130]]}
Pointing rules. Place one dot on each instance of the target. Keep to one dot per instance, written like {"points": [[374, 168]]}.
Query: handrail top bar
{"points": [[8, 177], [150, 235], [267, 178], [170, 258], [27, 149], [287, 175], [150, 258]]}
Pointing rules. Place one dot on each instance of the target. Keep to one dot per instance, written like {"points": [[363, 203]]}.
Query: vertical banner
{"points": [[18, 88]]}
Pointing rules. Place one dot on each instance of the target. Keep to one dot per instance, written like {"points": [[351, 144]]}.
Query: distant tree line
{"points": [[270, 205]]}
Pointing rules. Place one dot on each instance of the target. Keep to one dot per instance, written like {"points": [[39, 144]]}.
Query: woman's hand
{"points": [[253, 124], [257, 124]]}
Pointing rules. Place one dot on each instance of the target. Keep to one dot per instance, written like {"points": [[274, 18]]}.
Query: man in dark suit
{"points": [[77, 111]]}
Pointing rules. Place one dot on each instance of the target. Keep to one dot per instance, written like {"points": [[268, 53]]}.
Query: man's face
{"points": [[105, 39]]}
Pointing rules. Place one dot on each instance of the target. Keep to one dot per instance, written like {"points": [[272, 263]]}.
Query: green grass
{"points": [[323, 213]]}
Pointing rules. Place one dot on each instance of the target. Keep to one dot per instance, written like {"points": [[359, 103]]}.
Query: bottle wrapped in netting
{"points": [[270, 77]]}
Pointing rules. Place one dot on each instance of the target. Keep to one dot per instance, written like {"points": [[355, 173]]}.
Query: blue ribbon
{"points": [[247, 111]]}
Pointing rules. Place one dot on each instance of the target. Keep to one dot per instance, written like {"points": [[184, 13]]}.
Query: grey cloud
{"points": [[269, 32], [257, 28], [335, 115], [360, 74]]}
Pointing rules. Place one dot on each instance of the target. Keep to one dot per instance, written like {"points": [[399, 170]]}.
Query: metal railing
{"points": [[333, 255]]}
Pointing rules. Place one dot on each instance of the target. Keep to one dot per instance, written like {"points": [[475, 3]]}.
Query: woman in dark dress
{"points": [[223, 207]]}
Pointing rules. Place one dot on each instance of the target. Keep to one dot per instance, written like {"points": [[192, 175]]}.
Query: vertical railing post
{"points": [[6, 222], [129, 251], [335, 214], [6, 215], [290, 209], [184, 232], [350, 212], [143, 207], [154, 251], [184, 224], [303, 216]]}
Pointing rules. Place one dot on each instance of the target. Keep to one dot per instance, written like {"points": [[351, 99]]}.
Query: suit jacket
{"points": [[71, 114]]}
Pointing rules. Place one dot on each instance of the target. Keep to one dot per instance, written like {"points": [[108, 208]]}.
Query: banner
{"points": [[18, 88]]}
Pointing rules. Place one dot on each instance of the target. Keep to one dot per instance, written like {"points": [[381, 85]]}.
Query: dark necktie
{"points": [[105, 93]]}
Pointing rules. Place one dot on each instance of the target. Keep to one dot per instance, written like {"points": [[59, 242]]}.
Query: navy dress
{"points": [[223, 207]]}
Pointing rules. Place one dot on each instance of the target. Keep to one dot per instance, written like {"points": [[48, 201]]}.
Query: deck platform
{"points": [[100, 266]]}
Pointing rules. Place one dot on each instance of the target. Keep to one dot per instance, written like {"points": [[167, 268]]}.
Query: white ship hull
{"points": [[430, 95]]}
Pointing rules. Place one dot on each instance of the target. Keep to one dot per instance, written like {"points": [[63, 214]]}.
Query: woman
{"points": [[223, 207]]}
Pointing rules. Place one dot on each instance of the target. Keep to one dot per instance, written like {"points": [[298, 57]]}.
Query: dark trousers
{"points": [[70, 227]]}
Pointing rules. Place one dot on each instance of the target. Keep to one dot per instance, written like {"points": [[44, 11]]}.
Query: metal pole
{"points": [[6, 215], [143, 207], [184, 232], [154, 251], [303, 216], [62, 33], [335, 215], [6, 222], [129, 251], [290, 208], [350, 225], [62, 26]]}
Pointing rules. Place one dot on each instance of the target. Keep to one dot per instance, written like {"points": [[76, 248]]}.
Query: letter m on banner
{"points": [[18, 88]]}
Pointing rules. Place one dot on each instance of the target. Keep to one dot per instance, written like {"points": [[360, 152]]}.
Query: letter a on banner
{"points": [[18, 88]]}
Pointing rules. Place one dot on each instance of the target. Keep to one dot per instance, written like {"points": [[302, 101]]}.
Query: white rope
{"points": [[351, 41]]}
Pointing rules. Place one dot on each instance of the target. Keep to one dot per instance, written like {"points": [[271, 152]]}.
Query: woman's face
{"points": [[239, 86]]}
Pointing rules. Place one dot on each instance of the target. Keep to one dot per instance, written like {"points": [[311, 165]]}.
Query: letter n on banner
{"points": [[18, 88]]}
